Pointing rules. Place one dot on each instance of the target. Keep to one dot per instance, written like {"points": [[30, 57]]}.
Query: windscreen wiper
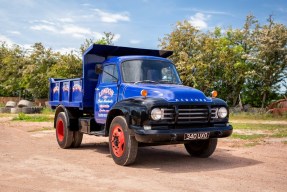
{"points": [[146, 81], [165, 81]]}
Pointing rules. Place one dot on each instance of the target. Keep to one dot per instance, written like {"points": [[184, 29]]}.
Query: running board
{"points": [[89, 126]]}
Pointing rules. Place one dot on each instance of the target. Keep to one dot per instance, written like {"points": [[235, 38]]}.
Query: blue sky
{"points": [[64, 25]]}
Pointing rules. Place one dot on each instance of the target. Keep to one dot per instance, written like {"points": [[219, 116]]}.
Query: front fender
{"points": [[135, 110]]}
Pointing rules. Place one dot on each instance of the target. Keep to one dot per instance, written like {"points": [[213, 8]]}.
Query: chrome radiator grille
{"points": [[188, 114], [193, 114]]}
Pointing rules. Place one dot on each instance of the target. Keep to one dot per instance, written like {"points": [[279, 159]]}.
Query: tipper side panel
{"points": [[67, 92]]}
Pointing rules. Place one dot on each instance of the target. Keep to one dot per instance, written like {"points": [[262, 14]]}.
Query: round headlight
{"points": [[222, 112], [156, 114]]}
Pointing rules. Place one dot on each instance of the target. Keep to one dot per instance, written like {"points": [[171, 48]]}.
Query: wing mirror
{"points": [[99, 69]]}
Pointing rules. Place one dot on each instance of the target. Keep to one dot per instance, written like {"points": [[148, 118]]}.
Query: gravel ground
{"points": [[31, 160]]}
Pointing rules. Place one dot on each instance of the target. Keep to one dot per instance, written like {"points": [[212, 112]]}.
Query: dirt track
{"points": [[32, 161]]}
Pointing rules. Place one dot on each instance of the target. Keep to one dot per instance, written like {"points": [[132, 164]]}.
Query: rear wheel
{"points": [[77, 139], [201, 148], [63, 134], [123, 146]]}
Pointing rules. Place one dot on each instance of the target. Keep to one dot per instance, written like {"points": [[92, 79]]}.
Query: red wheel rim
{"points": [[60, 130], [118, 141]]}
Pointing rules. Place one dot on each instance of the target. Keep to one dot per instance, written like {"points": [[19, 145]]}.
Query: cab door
{"points": [[106, 94]]}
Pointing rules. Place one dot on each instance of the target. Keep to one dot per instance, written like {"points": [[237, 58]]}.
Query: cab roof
{"points": [[110, 50], [133, 57]]}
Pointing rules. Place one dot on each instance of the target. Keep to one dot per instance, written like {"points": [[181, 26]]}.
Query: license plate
{"points": [[195, 136]]}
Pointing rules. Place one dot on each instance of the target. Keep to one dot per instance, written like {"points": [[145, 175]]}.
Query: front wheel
{"points": [[123, 146], [201, 148]]}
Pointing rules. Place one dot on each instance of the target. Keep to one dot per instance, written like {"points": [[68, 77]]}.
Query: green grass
{"points": [[7, 115], [32, 118], [248, 137], [270, 130], [280, 134], [249, 126], [47, 111], [256, 116]]}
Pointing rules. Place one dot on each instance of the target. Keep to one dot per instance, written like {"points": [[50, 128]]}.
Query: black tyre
{"points": [[27, 110], [38, 109], [63, 134], [77, 139], [123, 146], [201, 148]]}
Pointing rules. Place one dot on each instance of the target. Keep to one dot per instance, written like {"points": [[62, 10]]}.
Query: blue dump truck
{"points": [[135, 96]]}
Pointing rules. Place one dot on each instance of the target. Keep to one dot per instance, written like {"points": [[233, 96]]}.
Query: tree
{"points": [[12, 64], [268, 62], [36, 72], [66, 66], [217, 57]]}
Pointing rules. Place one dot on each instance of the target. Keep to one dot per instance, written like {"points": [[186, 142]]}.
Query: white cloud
{"points": [[15, 32], [212, 12], [133, 41], [47, 22], [86, 4], [75, 31], [199, 20], [59, 28], [112, 17], [72, 30], [11, 43], [66, 20], [43, 27], [6, 39], [43, 21]]}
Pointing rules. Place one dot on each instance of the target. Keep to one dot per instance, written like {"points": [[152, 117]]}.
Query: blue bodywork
{"points": [[89, 93], [135, 96]]}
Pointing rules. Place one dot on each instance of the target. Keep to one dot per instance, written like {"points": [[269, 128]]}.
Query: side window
{"points": [[110, 73]]}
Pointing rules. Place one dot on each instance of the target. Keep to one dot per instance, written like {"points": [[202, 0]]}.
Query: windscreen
{"points": [[149, 71]]}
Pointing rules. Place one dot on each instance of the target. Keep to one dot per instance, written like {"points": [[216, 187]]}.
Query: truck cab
{"points": [[135, 96]]}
